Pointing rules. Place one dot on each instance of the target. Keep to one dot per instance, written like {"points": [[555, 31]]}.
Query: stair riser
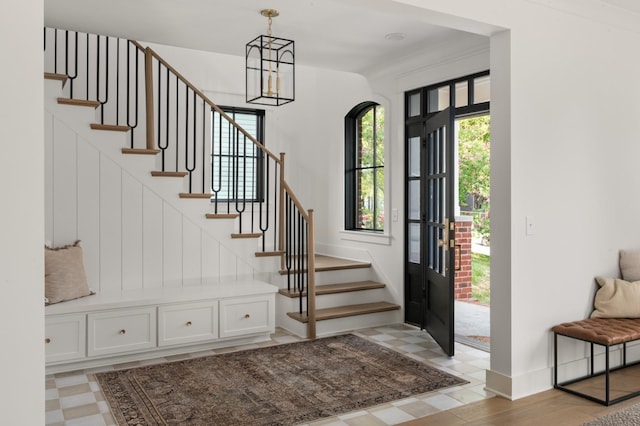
{"points": [[339, 325], [342, 325], [332, 277], [341, 299]]}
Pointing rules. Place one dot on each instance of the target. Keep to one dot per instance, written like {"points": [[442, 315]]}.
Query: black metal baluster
{"points": [[66, 62], [131, 125], [204, 143], [264, 227], [306, 257], [177, 119], [106, 76], [191, 167], [216, 186], [117, 81], [299, 271], [288, 239]]}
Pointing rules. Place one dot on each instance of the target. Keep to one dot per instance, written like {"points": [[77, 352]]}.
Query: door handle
{"points": [[446, 242]]}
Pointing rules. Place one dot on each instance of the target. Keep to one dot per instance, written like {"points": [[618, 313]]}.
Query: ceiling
{"points": [[345, 35]]}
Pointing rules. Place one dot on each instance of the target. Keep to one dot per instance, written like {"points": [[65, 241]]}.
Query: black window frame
{"points": [[351, 168]]}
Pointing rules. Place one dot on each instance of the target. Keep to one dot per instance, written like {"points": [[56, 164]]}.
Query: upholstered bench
{"points": [[607, 332]]}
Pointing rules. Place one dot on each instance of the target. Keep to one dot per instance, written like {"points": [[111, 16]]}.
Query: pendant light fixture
{"points": [[270, 68]]}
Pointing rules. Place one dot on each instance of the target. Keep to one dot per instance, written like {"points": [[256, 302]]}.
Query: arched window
{"points": [[364, 168]]}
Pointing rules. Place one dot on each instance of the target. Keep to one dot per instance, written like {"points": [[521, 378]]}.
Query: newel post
{"points": [[281, 212], [148, 88], [311, 290]]}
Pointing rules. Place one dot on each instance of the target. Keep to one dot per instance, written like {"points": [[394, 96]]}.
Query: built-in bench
{"points": [[115, 327], [606, 332]]}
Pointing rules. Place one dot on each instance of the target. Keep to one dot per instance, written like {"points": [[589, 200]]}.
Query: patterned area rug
{"points": [[628, 416], [278, 385]]}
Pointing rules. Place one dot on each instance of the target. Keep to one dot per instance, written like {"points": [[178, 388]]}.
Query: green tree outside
{"points": [[370, 178], [474, 162]]}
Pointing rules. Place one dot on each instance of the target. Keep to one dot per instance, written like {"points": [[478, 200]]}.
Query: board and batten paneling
{"points": [[110, 201], [132, 214], [64, 179], [131, 237], [89, 210]]}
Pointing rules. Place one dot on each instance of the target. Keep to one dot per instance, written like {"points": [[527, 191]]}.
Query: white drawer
{"points": [[247, 315], [187, 323], [124, 330], [65, 337]]}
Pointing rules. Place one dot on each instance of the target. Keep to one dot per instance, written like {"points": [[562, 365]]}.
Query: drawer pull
{"points": [[123, 331], [47, 340], [247, 316], [188, 323]]}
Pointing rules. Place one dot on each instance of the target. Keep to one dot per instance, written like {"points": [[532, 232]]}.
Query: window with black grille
{"points": [[236, 172]]}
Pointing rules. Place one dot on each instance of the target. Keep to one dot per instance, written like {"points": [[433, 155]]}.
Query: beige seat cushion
{"points": [[64, 274], [617, 298]]}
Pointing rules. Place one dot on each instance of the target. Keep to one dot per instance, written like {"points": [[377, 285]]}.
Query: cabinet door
{"points": [[187, 323], [123, 330], [247, 315], [65, 337]]}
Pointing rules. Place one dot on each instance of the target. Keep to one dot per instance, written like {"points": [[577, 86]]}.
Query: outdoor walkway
{"points": [[472, 324]]}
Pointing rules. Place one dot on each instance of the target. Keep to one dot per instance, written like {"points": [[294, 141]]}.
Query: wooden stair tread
{"points": [[248, 235], [330, 263], [56, 76], [222, 216], [79, 102], [140, 151], [110, 127], [336, 288], [269, 253], [168, 174], [193, 195], [345, 311]]}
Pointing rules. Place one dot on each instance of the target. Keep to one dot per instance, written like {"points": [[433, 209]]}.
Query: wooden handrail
{"points": [[213, 105], [295, 200], [138, 45]]}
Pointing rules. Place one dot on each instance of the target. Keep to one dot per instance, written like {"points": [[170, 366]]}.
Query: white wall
{"points": [[21, 217]]}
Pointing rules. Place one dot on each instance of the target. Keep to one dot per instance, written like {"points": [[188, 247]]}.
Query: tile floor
{"points": [[74, 398]]}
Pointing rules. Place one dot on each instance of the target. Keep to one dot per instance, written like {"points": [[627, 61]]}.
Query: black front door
{"points": [[429, 232]]}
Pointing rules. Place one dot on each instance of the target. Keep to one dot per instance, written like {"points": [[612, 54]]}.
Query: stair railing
{"points": [[222, 161], [107, 70], [299, 258], [241, 176]]}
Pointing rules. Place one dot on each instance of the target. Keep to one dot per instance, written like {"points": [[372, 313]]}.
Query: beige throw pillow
{"points": [[64, 275], [617, 298], [630, 265]]}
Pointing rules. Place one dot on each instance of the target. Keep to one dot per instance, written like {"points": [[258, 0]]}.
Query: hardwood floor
{"points": [[550, 408]]}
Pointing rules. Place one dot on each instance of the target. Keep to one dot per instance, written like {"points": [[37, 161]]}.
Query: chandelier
{"points": [[270, 68]]}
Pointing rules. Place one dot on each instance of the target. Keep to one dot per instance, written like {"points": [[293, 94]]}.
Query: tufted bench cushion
{"points": [[603, 331]]}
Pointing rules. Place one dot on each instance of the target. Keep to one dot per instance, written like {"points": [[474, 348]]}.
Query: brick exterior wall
{"points": [[462, 286]]}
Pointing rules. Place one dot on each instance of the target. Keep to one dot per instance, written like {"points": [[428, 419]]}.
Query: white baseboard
{"points": [[517, 387]]}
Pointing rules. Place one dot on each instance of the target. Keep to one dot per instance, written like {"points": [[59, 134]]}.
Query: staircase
{"points": [[347, 294], [347, 297]]}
